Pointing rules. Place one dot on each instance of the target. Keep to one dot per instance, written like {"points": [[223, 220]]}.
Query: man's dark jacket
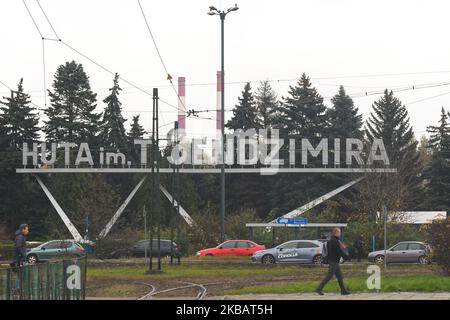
{"points": [[20, 249], [335, 250]]}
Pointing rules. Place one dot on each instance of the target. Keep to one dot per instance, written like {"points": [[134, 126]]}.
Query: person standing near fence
{"points": [[20, 248], [359, 247]]}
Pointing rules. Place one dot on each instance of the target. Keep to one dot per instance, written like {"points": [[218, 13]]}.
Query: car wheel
{"points": [[209, 255], [424, 260], [379, 259], [318, 260], [32, 259], [268, 259]]}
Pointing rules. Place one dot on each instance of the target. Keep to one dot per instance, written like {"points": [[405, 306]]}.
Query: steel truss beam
{"points": [[73, 230], [315, 202]]}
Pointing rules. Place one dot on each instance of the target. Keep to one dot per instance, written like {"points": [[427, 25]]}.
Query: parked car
{"points": [[53, 249], [403, 252], [232, 247], [295, 251], [138, 249]]}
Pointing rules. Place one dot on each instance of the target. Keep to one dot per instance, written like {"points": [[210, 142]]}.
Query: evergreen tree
{"points": [[267, 104], [440, 135], [71, 116], [302, 113], [245, 113], [389, 121], [436, 174], [19, 121], [20, 198], [344, 119], [136, 131], [112, 129]]}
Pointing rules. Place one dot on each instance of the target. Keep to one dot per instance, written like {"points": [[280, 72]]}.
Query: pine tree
{"points": [[436, 175], [19, 121], [112, 129], [245, 113], [344, 119], [440, 135], [266, 103], [20, 198], [71, 116], [136, 131], [302, 113], [389, 121]]}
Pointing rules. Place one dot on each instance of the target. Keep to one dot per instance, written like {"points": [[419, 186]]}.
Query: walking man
{"points": [[335, 250], [20, 248]]}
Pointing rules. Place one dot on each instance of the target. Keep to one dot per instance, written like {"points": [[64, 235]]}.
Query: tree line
{"points": [[421, 183]]}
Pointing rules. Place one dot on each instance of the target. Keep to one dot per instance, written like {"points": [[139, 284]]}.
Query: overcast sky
{"points": [[327, 39]]}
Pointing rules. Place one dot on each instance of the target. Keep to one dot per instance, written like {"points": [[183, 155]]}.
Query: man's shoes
{"points": [[345, 293], [319, 292]]}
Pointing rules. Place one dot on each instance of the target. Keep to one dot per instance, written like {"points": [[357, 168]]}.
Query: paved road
{"points": [[310, 296], [332, 296]]}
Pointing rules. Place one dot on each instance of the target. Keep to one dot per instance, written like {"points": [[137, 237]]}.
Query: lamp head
{"points": [[235, 8]]}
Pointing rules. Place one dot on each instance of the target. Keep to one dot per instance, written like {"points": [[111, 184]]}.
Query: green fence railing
{"points": [[55, 280]]}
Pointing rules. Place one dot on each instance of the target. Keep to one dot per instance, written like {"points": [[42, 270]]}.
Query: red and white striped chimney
{"points": [[182, 103], [219, 103]]}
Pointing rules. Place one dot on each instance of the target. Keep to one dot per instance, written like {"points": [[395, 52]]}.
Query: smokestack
{"points": [[219, 103], [182, 102]]}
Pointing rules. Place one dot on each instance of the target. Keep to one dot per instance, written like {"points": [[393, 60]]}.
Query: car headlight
{"points": [[198, 253]]}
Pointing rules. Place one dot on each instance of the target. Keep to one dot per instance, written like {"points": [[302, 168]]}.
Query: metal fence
{"points": [[55, 280]]}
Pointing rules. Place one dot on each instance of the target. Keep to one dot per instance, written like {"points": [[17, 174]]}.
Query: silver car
{"points": [[296, 251], [402, 252]]}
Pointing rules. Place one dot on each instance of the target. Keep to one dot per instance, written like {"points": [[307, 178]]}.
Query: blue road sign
{"points": [[292, 220]]}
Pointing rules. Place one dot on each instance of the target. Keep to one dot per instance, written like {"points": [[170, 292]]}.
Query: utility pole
{"points": [[145, 231], [156, 212], [177, 192], [173, 209], [385, 236], [222, 15]]}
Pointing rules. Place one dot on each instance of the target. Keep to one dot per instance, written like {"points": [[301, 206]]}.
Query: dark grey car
{"points": [[138, 249], [402, 252]]}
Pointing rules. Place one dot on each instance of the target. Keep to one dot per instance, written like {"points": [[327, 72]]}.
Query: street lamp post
{"points": [[222, 14]]}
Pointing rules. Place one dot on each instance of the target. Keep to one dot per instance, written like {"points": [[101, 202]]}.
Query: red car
{"points": [[232, 247]]}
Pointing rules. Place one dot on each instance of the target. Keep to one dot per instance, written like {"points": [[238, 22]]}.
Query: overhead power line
{"points": [[32, 19], [48, 20], [427, 98], [169, 77], [84, 55]]}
